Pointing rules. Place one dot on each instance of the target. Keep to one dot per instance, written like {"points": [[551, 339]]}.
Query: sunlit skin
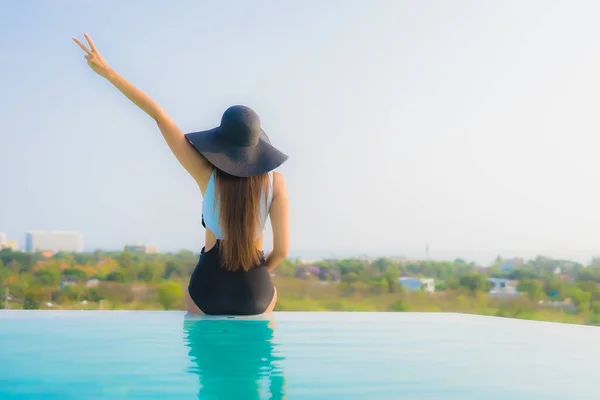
{"points": [[195, 164]]}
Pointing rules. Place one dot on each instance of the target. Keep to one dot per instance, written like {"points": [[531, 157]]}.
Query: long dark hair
{"points": [[239, 217]]}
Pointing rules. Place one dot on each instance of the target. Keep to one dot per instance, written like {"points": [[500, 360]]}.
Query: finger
{"points": [[82, 46], [90, 41]]}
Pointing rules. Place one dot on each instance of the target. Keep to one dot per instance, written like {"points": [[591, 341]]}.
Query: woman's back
{"points": [[211, 207], [219, 285], [234, 212]]}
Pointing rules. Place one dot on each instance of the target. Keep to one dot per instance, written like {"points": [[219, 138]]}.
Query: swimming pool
{"points": [[165, 355]]}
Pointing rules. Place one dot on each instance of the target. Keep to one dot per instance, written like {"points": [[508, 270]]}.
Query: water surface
{"points": [[166, 355]]}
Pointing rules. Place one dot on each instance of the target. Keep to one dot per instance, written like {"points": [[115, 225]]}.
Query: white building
{"points": [[54, 241], [2, 239], [411, 283]]}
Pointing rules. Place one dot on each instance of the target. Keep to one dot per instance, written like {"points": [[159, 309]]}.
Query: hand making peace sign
{"points": [[93, 57]]}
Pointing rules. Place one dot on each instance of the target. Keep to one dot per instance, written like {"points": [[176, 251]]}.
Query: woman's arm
{"points": [[189, 158], [279, 222]]}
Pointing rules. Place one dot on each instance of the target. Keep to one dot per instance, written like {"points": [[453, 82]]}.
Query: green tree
{"points": [[129, 269], [116, 276], [27, 261], [350, 277], [151, 271], [125, 259], [168, 294], [97, 255], [350, 265], [452, 283], [185, 254], [555, 289], [400, 306], [61, 255], [94, 295], [587, 274], [383, 264], [30, 303], [75, 292], [5, 272], [579, 297], [75, 273], [591, 287], [170, 269], [533, 288], [473, 281], [47, 276], [14, 266], [391, 278]]}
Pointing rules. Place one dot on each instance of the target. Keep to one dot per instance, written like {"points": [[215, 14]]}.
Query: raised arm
{"points": [[279, 222], [188, 157]]}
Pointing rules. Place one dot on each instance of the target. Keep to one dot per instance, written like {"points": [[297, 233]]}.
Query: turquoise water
{"points": [[166, 355]]}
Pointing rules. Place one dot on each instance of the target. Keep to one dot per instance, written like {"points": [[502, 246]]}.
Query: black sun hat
{"points": [[238, 146]]}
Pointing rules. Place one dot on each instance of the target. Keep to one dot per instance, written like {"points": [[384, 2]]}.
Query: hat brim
{"points": [[238, 161]]}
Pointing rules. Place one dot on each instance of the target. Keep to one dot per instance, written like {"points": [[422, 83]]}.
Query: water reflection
{"points": [[234, 358]]}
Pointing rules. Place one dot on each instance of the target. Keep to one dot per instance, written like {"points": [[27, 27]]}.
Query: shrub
{"points": [[168, 294], [399, 306]]}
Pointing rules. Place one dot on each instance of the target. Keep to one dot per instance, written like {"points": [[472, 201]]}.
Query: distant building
{"points": [[416, 284], [10, 244], [141, 248], [67, 282], [503, 286], [135, 248], [54, 241], [92, 283]]}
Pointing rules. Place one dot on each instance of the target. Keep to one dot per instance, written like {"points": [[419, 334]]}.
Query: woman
{"points": [[233, 166]]}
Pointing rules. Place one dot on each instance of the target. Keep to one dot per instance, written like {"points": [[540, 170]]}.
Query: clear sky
{"points": [[471, 126]]}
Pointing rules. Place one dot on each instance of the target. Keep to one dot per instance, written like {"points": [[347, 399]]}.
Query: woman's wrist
{"points": [[110, 75]]}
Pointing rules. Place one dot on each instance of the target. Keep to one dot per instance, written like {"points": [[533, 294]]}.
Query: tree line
{"points": [[128, 279]]}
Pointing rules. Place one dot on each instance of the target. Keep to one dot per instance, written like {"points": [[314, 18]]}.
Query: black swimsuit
{"points": [[217, 291]]}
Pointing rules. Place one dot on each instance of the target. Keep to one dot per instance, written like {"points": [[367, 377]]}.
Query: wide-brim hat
{"points": [[238, 146]]}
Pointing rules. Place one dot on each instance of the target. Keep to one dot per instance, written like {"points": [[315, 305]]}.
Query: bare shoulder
{"points": [[279, 185]]}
